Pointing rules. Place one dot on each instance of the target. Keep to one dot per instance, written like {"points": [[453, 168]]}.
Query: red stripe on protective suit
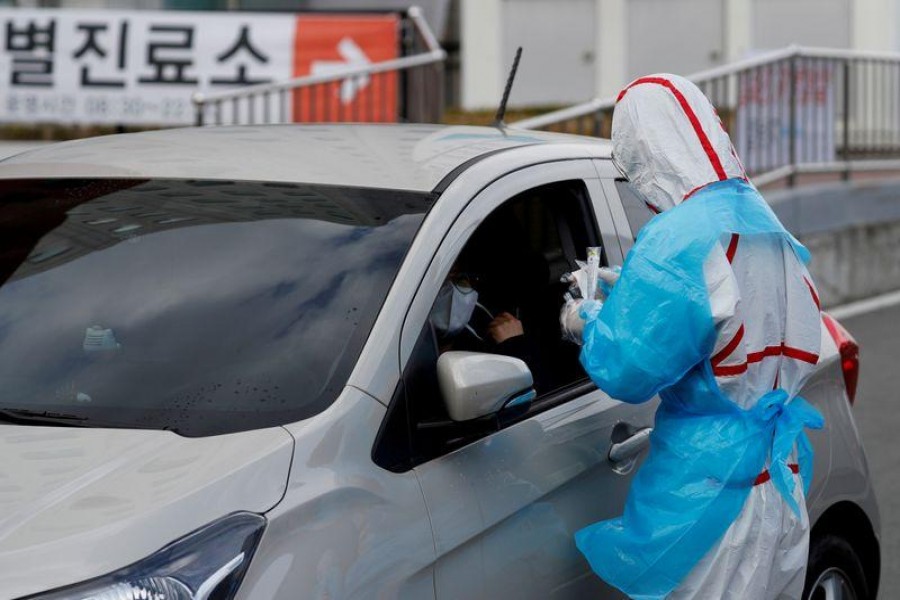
{"points": [[730, 347], [812, 291], [797, 354], [692, 117], [725, 352], [730, 370], [766, 476], [694, 191], [732, 247], [755, 357]]}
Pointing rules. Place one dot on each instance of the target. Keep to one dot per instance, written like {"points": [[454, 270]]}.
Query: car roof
{"points": [[411, 157]]}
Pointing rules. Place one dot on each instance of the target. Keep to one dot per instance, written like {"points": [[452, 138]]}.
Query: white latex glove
{"points": [[574, 315], [608, 278]]}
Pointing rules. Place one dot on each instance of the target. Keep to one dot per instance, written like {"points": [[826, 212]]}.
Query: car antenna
{"points": [[501, 110]]}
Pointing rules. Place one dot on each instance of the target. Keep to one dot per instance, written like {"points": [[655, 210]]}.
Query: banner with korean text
{"points": [[142, 67]]}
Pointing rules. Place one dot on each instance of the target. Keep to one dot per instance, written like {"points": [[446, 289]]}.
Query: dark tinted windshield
{"points": [[198, 306]]}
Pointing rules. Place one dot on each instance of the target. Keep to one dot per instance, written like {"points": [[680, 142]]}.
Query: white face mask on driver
{"points": [[453, 308]]}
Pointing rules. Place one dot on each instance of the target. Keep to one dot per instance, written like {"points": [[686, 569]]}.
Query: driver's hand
{"points": [[504, 326]]}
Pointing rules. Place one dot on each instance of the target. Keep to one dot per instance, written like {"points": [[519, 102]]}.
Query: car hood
{"points": [[78, 503]]}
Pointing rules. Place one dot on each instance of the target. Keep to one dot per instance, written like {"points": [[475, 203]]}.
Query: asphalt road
{"points": [[877, 413]]}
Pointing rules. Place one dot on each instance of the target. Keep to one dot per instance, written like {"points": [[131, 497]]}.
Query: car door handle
{"points": [[629, 448]]}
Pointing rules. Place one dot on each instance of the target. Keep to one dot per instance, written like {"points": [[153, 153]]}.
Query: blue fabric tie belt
{"points": [[785, 422]]}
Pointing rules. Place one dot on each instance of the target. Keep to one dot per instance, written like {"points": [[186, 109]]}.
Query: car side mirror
{"points": [[475, 385]]}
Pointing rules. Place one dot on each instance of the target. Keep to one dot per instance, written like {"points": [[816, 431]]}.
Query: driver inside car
{"points": [[461, 322]]}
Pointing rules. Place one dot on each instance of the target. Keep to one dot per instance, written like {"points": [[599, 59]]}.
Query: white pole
{"points": [[611, 34], [481, 53], [873, 24], [738, 29]]}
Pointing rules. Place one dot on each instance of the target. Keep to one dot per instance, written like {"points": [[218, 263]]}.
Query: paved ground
{"points": [[877, 414]]}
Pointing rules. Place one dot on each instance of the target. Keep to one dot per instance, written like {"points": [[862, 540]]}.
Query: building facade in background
{"points": [[578, 49]]}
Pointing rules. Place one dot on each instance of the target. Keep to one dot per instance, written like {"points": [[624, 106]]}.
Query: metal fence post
{"points": [[440, 101], [199, 105], [846, 132], [405, 83], [792, 122]]}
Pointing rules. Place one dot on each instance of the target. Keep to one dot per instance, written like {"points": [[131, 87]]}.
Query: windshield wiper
{"points": [[44, 417]]}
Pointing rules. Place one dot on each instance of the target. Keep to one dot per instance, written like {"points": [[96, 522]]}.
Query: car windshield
{"points": [[201, 307]]}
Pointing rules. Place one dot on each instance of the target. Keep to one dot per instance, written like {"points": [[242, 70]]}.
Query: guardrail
{"points": [[409, 88], [792, 111]]}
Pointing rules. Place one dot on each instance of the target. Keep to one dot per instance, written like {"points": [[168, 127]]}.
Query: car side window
{"points": [[514, 261], [636, 210]]}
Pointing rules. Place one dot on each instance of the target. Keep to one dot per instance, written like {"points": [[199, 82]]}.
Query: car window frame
{"points": [[609, 175], [482, 204]]}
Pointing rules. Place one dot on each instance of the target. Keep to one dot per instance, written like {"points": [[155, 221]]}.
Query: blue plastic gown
{"points": [[653, 336]]}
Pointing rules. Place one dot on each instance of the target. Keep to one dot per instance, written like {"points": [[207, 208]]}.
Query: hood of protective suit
{"points": [[669, 141]]}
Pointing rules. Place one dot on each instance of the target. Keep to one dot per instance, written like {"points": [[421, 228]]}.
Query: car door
{"points": [[505, 504]]}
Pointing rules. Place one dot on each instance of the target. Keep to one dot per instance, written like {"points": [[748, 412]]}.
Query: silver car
{"points": [[221, 378]]}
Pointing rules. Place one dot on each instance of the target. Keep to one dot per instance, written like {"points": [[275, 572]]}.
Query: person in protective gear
{"points": [[715, 311]]}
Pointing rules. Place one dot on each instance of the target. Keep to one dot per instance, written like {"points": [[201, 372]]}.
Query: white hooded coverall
{"points": [[669, 141]]}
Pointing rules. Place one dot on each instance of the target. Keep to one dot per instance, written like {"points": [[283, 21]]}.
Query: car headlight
{"points": [[207, 564]]}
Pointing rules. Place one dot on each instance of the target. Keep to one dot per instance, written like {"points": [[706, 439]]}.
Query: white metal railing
{"points": [[791, 111], [405, 88]]}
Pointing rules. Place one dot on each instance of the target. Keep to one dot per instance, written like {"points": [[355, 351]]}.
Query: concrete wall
{"points": [[657, 40], [594, 47], [875, 25], [559, 40], [853, 233], [857, 262], [557, 62], [779, 23]]}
